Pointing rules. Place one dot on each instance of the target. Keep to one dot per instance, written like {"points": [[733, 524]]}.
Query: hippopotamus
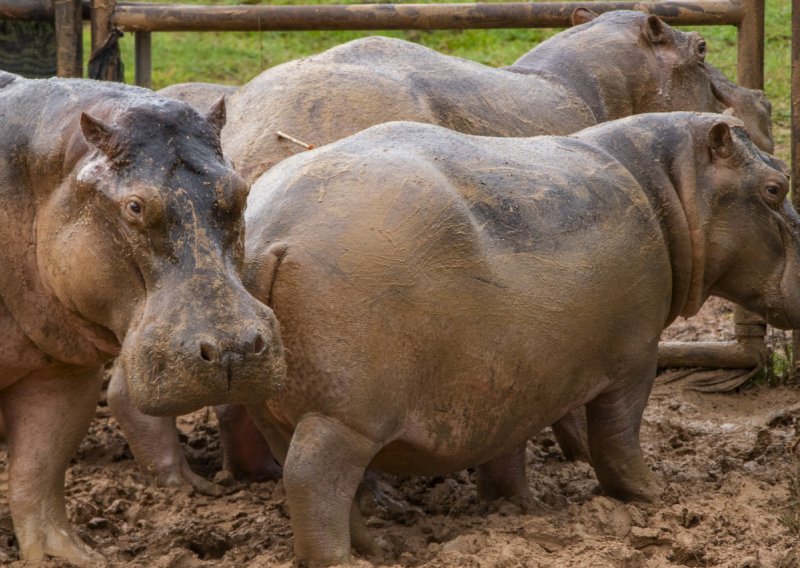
{"points": [[201, 96], [610, 66], [123, 233], [443, 296]]}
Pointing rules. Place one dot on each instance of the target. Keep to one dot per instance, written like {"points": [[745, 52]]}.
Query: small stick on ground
{"points": [[295, 140]]}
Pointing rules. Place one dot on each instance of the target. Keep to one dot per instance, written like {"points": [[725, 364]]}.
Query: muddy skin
{"points": [[614, 65], [123, 233], [426, 319], [201, 96]]}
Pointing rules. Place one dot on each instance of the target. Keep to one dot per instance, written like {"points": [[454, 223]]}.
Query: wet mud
{"points": [[731, 498]]}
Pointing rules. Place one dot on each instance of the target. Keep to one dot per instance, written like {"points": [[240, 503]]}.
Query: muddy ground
{"points": [[731, 497]]}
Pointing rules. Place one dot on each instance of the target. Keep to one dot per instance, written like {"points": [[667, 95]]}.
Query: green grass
{"points": [[234, 58]]}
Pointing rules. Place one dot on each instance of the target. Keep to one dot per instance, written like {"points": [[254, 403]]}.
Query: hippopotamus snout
{"points": [[230, 356], [214, 352], [223, 350]]}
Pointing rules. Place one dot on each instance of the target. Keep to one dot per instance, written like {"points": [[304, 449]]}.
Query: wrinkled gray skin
{"points": [[201, 96], [443, 297], [617, 64], [620, 63], [122, 230]]}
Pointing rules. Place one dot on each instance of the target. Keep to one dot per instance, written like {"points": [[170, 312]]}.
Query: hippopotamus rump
{"points": [[122, 230], [615, 65], [443, 297]]}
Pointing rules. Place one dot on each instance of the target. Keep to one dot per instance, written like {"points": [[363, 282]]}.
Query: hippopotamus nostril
{"points": [[259, 344], [209, 352]]}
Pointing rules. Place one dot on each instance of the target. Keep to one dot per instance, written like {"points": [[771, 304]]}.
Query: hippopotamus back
{"points": [[616, 65]]}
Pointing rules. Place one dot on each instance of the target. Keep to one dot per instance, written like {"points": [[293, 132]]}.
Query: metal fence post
{"points": [[69, 38]]}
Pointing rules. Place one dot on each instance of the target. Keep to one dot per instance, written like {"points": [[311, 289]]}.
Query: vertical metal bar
{"points": [[795, 96], [795, 147], [750, 52], [69, 38], [750, 328], [144, 60], [101, 12]]}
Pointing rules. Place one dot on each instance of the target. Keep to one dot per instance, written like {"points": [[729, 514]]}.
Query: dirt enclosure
{"points": [[732, 497]]}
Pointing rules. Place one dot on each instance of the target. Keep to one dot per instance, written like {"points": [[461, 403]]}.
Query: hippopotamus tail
{"points": [[7, 78]]}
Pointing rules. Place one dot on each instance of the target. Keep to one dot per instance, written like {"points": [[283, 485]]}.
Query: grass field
{"points": [[235, 58]]}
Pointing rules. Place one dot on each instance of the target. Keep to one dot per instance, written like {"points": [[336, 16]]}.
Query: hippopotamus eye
{"points": [[773, 194], [134, 208]]}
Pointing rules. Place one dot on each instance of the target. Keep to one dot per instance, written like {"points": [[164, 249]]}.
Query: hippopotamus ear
{"points": [[654, 29], [720, 141], [582, 15], [217, 114], [99, 134]]}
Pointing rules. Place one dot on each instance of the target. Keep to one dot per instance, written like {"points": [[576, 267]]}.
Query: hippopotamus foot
{"points": [[613, 421], [570, 433], [47, 415], [504, 477], [322, 472], [245, 451], [154, 441]]}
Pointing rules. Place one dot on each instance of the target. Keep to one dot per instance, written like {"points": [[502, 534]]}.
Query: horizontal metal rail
{"points": [[34, 10], [186, 18]]}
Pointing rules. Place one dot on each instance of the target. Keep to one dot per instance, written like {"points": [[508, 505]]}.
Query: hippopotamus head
{"points": [[751, 231], [627, 62], [722, 202], [149, 244]]}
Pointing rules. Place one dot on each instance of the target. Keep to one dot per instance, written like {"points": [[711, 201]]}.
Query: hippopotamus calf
{"points": [[122, 230], [443, 297]]}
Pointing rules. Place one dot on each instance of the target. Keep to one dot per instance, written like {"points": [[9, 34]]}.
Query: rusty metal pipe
{"points": [[750, 45], [69, 38], [27, 10], [37, 10], [150, 17], [710, 355]]}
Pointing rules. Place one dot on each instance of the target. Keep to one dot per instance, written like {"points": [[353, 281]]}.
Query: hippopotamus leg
{"points": [[153, 440], [570, 433], [504, 476], [245, 452], [614, 418], [47, 414], [322, 472]]}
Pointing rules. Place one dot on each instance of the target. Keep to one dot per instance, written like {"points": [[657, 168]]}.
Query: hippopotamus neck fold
{"points": [[669, 181]]}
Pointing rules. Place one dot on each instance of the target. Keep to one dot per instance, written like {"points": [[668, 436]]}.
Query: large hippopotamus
{"points": [[611, 66], [443, 297], [122, 230]]}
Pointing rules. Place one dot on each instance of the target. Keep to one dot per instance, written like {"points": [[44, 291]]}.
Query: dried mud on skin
{"points": [[731, 497]]}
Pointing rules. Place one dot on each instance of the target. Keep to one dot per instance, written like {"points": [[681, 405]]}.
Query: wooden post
{"points": [[795, 145], [69, 38], [750, 45], [165, 17], [144, 61], [101, 11]]}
